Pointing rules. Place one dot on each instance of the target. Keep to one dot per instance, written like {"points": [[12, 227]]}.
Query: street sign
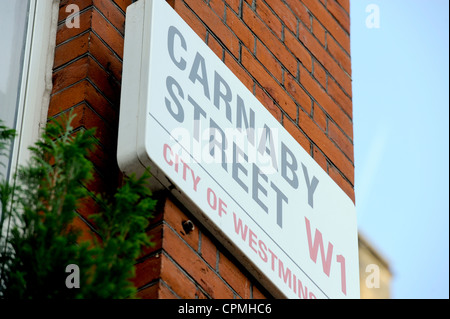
{"points": [[204, 136]]}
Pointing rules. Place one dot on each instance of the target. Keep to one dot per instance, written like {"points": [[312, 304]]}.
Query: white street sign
{"points": [[205, 137]]}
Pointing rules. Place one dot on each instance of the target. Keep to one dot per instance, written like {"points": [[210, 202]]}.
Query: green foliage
{"points": [[43, 241], [6, 136]]}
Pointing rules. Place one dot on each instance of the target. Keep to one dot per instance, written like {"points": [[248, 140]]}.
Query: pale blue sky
{"points": [[401, 135]]}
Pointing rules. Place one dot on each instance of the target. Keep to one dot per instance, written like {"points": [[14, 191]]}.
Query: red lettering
{"points": [[195, 179], [273, 258], [221, 207], [284, 274], [177, 161], [302, 294], [251, 240], [314, 247], [340, 259], [168, 158], [239, 229], [262, 251], [185, 167], [212, 204], [167, 148]]}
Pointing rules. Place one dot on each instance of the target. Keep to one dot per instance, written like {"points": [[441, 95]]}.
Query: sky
{"points": [[400, 72]]}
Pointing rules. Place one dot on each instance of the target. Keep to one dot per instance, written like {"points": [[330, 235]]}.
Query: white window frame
{"points": [[36, 80]]}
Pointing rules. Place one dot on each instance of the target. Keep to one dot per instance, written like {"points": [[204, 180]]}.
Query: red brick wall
{"points": [[293, 55]]}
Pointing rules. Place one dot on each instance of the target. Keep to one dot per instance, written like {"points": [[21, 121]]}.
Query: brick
{"points": [[298, 135], [234, 277], [67, 98], [297, 92], [189, 17], [64, 33], [269, 39], [151, 292], [300, 11], [320, 158], [257, 294], [112, 13], [208, 251], [269, 84], [331, 151], [345, 4], [240, 29], [268, 102], [190, 262], [342, 58], [318, 31], [239, 71], [268, 60], [286, 15], [218, 7], [320, 117], [63, 14], [175, 218], [106, 57], [277, 50], [325, 101], [93, 20], [104, 29], [88, 207], [270, 19], [298, 50], [156, 291], [70, 50], [216, 26], [320, 74], [340, 97], [123, 4], [340, 14], [104, 82], [71, 74], [83, 92], [87, 118], [81, 45], [328, 21], [85, 232], [147, 271], [343, 142], [172, 275], [215, 46], [164, 292], [155, 235], [233, 4], [87, 68], [312, 44]]}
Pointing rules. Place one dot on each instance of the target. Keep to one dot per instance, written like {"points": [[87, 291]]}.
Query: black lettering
{"points": [[214, 142], [200, 65], [179, 114], [237, 152], [256, 187], [241, 118], [224, 96], [181, 63], [197, 112], [291, 165]]}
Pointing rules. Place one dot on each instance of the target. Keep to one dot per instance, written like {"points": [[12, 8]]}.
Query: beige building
{"points": [[374, 272]]}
